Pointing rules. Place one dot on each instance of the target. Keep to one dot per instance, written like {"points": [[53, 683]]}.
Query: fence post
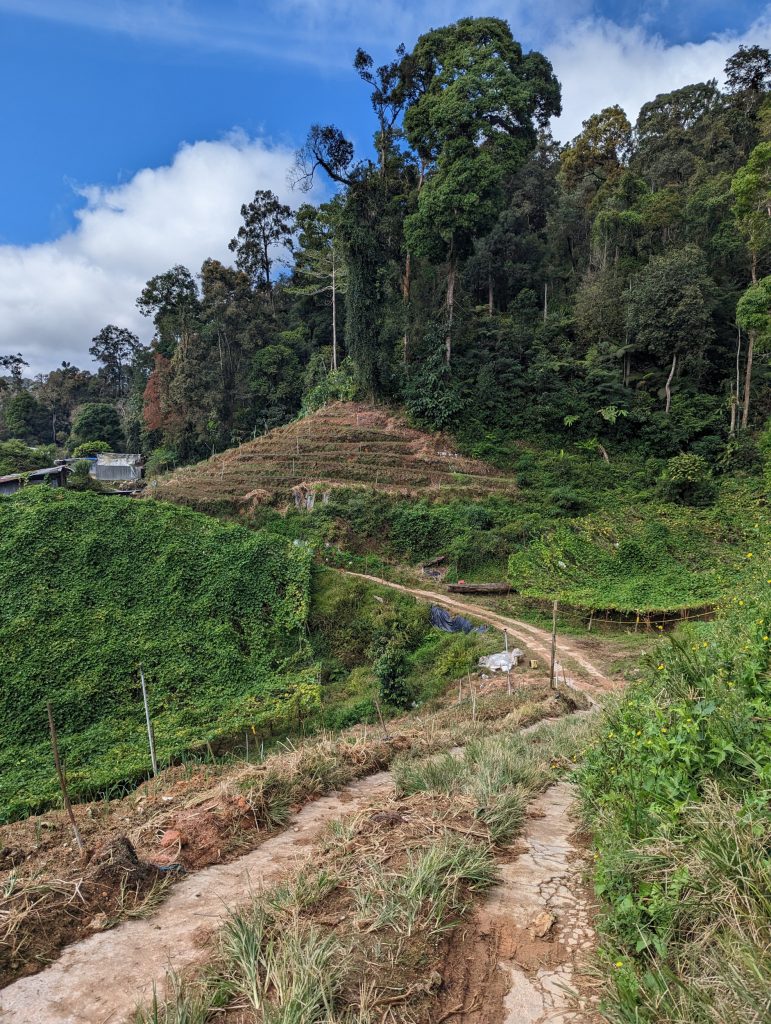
{"points": [[552, 676], [508, 666], [62, 780], [150, 733]]}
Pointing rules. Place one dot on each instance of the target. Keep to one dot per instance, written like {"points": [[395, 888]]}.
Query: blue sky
{"points": [[98, 96]]}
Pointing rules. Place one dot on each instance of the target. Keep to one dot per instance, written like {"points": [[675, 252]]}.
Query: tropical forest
{"points": [[418, 670]]}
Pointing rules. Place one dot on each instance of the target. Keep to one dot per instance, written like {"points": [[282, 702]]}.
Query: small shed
{"points": [[116, 467], [54, 476]]}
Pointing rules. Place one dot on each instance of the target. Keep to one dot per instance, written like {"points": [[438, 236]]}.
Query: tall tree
{"points": [[670, 311], [171, 299], [473, 124], [115, 348], [14, 364], [319, 266], [751, 188], [267, 224]]}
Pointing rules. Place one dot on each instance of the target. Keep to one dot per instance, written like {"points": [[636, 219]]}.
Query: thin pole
{"points": [[552, 678], [246, 736], [380, 716], [508, 665], [62, 781], [150, 734]]}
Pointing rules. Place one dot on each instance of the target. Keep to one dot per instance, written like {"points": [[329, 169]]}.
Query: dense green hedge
{"points": [[95, 586]]}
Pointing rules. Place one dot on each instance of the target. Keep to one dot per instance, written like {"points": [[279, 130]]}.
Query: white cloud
{"points": [[55, 296], [600, 63]]}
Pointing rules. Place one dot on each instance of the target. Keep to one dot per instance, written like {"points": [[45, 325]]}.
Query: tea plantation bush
{"points": [[95, 586]]}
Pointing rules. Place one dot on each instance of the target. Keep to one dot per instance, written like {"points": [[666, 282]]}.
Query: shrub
{"points": [[90, 448], [328, 386], [742, 453], [677, 793], [687, 480], [18, 457], [80, 478], [161, 460], [565, 499]]}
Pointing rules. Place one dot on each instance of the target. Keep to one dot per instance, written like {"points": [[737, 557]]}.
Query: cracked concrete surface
{"points": [[542, 914]]}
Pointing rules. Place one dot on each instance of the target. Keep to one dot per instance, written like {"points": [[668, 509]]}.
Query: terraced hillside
{"points": [[347, 444]]}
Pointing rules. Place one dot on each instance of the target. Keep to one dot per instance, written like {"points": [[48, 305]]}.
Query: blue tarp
{"points": [[450, 623]]}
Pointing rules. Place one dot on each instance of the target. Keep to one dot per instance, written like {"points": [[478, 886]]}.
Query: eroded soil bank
{"points": [[104, 977]]}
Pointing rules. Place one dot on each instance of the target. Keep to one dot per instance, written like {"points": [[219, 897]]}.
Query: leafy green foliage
{"points": [[375, 642], [98, 421], [640, 559], [687, 479], [677, 792], [90, 448], [18, 457], [93, 588]]}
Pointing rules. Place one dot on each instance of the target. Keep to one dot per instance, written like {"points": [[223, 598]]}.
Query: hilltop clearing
{"points": [[603, 538], [345, 444]]}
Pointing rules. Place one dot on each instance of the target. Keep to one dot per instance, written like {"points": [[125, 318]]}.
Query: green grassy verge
{"points": [[593, 535], [677, 794]]}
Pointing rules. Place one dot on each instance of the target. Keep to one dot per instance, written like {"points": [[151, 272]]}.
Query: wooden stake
{"points": [[380, 716], [62, 780], [246, 736], [150, 734], [552, 679]]}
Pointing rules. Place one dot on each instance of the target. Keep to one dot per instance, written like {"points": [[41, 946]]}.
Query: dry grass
{"points": [[342, 445], [355, 935]]}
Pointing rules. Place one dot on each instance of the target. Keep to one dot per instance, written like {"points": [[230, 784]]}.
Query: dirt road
{"points": [[536, 639]]}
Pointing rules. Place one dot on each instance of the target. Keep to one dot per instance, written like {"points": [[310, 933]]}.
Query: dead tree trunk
{"points": [[406, 284], [750, 348], [668, 385], [748, 379], [735, 390], [451, 275]]}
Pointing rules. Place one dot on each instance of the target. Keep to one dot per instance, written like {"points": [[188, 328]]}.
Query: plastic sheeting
{"points": [[450, 623], [503, 662]]}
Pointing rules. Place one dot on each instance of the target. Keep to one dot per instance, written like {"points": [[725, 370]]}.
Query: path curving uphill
{"points": [[536, 639]]}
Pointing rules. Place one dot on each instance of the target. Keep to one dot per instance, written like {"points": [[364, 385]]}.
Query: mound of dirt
{"points": [[346, 444]]}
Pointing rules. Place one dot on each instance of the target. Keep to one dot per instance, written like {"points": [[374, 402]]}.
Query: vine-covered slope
{"points": [[95, 587]]}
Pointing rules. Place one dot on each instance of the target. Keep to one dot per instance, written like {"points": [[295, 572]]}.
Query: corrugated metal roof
{"points": [[117, 459], [33, 473]]}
